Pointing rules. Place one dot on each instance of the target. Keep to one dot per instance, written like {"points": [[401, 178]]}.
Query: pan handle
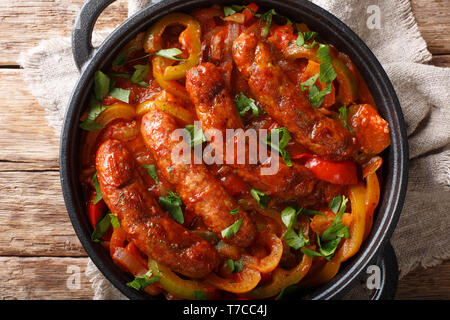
{"points": [[389, 275], [82, 48]]}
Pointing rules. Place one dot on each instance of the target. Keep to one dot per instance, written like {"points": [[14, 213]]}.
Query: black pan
{"points": [[375, 250]]}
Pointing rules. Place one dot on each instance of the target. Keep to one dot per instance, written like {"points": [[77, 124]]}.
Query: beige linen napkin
{"points": [[389, 29]]}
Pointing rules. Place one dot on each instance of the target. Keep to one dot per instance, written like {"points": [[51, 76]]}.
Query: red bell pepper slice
{"points": [[336, 172], [95, 211]]}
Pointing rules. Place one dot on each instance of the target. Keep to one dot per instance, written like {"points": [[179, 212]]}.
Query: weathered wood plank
{"points": [[433, 18], [24, 133], [44, 278], [33, 218], [26, 22], [431, 283]]}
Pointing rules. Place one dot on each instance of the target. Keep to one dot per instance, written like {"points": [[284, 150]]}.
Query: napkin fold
{"points": [[388, 27]]}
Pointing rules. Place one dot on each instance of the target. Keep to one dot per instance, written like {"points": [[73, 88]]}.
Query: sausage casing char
{"points": [[197, 187], [151, 230], [281, 99]]}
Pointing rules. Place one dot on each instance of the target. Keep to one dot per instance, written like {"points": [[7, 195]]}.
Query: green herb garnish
{"points": [[343, 114], [151, 170], [120, 94], [261, 198], [142, 282], [170, 53], [140, 74], [230, 231], [245, 104], [283, 139], [172, 203], [196, 135], [97, 189]]}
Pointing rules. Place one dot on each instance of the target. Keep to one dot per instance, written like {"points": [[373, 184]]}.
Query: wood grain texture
{"points": [[44, 278], [33, 218], [432, 17], [24, 134], [35, 20], [27, 22]]}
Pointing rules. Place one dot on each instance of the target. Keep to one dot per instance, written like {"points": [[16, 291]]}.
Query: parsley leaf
{"points": [[95, 108], [120, 60], [172, 203], [199, 295], [170, 53], [101, 85], [327, 73], [289, 216], [101, 227], [312, 212], [295, 240], [343, 114], [245, 104], [309, 35], [310, 82], [283, 139], [332, 236], [317, 96], [120, 94], [234, 211], [140, 73], [141, 282], [261, 198], [234, 266], [196, 135], [151, 170], [303, 37], [268, 17], [230, 231], [114, 220], [97, 189]]}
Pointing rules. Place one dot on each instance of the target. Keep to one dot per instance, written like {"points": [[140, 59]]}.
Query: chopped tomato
{"points": [[336, 172], [283, 36]]}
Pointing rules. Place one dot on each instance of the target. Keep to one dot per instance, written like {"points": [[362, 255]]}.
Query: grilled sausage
{"points": [[197, 187], [151, 230], [287, 105]]}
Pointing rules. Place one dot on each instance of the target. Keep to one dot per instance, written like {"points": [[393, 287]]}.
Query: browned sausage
{"points": [[151, 230], [287, 105], [197, 187], [216, 110]]}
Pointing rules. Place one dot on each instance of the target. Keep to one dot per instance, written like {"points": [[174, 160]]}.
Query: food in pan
{"points": [[231, 218]]}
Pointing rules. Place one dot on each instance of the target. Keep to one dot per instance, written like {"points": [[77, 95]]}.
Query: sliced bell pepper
{"points": [[241, 282], [336, 172], [190, 38], [95, 210], [181, 288]]}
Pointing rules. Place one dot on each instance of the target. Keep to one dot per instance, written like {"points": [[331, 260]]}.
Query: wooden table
{"points": [[37, 241]]}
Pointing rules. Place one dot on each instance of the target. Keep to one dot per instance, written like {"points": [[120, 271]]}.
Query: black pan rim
{"points": [[70, 133]]}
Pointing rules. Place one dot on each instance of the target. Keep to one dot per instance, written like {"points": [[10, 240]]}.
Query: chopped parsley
{"points": [[231, 231], [283, 139], [170, 53], [97, 189], [343, 114], [234, 211], [140, 74], [234, 266], [196, 135], [332, 236], [151, 170], [267, 17], [245, 104], [120, 60], [142, 282], [101, 227], [261, 198], [172, 203], [120, 94]]}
